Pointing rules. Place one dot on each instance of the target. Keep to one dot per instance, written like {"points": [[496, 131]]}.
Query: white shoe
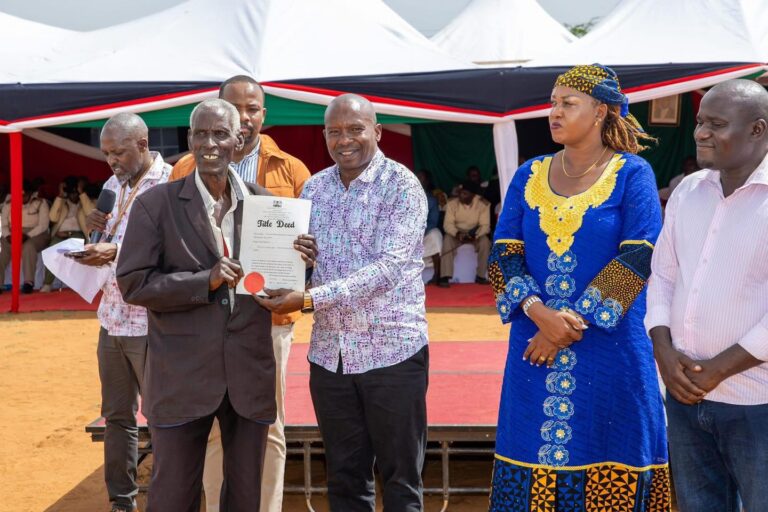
{"points": [[45, 289]]}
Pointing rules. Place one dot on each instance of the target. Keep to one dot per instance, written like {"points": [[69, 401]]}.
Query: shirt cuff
{"points": [[322, 296], [656, 316], [756, 342]]}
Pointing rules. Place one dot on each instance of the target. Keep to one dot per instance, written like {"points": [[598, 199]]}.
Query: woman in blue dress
{"points": [[581, 423]]}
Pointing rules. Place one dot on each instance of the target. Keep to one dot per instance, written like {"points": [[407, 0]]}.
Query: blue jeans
{"points": [[718, 453]]}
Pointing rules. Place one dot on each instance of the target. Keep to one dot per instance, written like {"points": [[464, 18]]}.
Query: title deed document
{"points": [[270, 226]]}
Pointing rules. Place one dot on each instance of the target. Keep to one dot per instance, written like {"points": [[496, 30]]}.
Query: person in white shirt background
{"points": [[35, 236], [708, 307]]}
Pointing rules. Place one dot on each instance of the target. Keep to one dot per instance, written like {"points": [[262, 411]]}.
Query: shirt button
{"points": [[224, 302]]}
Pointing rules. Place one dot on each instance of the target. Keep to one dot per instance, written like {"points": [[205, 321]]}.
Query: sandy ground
{"points": [[50, 388]]}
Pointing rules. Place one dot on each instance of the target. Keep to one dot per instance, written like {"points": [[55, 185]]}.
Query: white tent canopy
{"points": [[210, 40], [503, 32], [27, 47], [677, 31]]}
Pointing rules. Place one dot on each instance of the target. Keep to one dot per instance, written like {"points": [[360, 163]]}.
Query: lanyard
{"points": [[124, 206]]}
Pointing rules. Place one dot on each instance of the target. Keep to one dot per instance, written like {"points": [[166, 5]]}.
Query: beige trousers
{"points": [[29, 252], [450, 244], [274, 459]]}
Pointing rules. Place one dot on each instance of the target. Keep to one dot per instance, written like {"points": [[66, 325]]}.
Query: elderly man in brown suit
{"points": [[210, 351]]}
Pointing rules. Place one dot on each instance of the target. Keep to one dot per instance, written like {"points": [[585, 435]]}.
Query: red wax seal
{"points": [[254, 282]]}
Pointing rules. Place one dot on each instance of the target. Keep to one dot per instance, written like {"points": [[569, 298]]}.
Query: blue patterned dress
{"points": [[587, 434]]}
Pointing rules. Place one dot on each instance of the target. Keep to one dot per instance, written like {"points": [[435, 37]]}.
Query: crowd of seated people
{"points": [[463, 218], [45, 223]]}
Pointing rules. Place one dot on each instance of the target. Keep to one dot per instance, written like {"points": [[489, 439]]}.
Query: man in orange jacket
{"points": [[261, 162]]}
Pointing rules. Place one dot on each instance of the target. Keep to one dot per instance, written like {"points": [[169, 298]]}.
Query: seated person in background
{"points": [[475, 176], [433, 237], [92, 190], [467, 221], [34, 225], [689, 167], [67, 215]]}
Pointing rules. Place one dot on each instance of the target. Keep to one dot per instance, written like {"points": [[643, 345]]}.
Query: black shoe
{"points": [[444, 282], [481, 280], [122, 508], [27, 288]]}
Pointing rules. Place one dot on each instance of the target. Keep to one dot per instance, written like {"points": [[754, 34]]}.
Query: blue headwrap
{"points": [[598, 81]]}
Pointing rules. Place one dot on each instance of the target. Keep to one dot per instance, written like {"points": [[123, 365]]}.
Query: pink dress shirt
{"points": [[710, 277]]}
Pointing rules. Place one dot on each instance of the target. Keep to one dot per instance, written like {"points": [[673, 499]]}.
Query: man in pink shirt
{"points": [[708, 307]]}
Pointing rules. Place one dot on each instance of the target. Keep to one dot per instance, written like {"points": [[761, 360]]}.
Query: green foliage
{"points": [[581, 29]]}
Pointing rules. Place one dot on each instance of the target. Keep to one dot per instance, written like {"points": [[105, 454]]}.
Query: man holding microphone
{"points": [[122, 347]]}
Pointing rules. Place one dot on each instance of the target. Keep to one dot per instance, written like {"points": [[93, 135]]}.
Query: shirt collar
{"points": [[371, 172], [758, 177], [155, 171], [236, 185], [254, 152]]}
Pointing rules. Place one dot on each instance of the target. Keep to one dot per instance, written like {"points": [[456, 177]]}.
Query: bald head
{"points": [[217, 107], [125, 144], [351, 134], [732, 128], [749, 97], [354, 103]]}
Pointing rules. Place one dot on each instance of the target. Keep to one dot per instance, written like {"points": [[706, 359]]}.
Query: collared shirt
{"points": [[70, 220], [248, 167], [367, 289], [710, 277], [34, 216], [466, 217], [117, 317], [224, 234]]}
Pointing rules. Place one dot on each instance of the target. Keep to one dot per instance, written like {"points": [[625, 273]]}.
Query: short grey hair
{"points": [[218, 104], [126, 125]]}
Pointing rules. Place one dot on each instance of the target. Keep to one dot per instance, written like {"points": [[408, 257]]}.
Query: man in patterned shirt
{"points": [[122, 347], [368, 354]]}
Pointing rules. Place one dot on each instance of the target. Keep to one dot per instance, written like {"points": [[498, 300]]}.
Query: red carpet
{"points": [[460, 296], [65, 300], [457, 296], [464, 384]]}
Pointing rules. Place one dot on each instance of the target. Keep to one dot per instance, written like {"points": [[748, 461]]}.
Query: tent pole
{"points": [[506, 148], [17, 177]]}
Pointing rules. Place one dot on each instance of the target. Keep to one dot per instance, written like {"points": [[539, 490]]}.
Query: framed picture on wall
{"points": [[665, 111]]}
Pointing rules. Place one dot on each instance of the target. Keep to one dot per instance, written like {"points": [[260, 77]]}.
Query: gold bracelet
{"points": [[309, 305]]}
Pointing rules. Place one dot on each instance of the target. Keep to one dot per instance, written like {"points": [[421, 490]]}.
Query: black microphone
{"points": [[104, 204]]}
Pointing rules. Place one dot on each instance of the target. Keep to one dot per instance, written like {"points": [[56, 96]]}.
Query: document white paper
{"points": [[270, 226], [84, 279]]}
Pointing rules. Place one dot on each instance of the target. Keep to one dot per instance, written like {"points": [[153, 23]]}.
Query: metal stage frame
{"points": [[305, 440]]}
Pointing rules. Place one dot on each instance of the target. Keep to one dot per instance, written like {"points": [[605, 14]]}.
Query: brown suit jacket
{"points": [[198, 349]]}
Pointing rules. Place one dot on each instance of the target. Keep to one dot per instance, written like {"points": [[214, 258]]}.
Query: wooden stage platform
{"points": [[462, 407]]}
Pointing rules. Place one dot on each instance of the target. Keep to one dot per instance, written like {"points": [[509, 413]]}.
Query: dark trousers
{"points": [[718, 453], [378, 416], [179, 456], [121, 370]]}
